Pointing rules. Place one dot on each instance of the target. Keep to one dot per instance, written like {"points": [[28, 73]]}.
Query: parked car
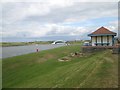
{"points": [[86, 44], [59, 42]]}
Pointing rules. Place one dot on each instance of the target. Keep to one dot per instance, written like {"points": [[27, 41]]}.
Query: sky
{"points": [[45, 20]]}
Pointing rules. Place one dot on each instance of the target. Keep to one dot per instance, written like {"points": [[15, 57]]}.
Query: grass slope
{"points": [[0, 74], [39, 70], [7, 44]]}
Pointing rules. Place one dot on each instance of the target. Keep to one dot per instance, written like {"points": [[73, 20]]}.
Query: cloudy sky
{"points": [[55, 19]]}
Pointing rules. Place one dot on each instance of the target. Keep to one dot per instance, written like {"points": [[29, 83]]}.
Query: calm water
{"points": [[19, 50]]}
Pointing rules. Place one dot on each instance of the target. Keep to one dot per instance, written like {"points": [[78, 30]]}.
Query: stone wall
{"points": [[90, 49]]}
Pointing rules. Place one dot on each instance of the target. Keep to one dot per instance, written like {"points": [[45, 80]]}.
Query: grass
{"points": [[42, 69], [7, 44], [0, 74]]}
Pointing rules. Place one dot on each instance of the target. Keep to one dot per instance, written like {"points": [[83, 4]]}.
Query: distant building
{"points": [[102, 37]]}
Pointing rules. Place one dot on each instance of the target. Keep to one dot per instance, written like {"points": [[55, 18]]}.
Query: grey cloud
{"points": [[26, 26], [79, 11]]}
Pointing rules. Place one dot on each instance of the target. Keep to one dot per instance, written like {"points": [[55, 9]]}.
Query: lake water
{"points": [[19, 50]]}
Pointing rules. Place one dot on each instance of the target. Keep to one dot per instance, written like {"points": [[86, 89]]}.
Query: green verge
{"points": [[0, 74], [7, 44], [43, 70]]}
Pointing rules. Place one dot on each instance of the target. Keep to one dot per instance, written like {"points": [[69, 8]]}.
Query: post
{"points": [[96, 40], [107, 40], [102, 40], [91, 39]]}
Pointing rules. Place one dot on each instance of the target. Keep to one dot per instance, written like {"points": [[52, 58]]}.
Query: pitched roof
{"points": [[102, 31]]}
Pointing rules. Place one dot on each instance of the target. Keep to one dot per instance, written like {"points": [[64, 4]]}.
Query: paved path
{"points": [[19, 50]]}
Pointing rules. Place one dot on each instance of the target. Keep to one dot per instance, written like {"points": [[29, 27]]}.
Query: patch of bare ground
{"points": [[40, 60], [71, 56], [45, 58]]}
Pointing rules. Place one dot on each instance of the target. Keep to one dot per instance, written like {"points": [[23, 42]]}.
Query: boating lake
{"points": [[20, 50]]}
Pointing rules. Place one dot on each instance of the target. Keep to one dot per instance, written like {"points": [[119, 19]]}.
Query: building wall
{"points": [[104, 39], [93, 40], [110, 40], [99, 40]]}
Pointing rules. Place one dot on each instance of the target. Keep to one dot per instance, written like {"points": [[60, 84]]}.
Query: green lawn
{"points": [[42, 69], [7, 44], [0, 74]]}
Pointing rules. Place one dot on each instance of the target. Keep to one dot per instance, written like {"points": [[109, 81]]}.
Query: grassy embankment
{"points": [[6, 44], [42, 69], [0, 74]]}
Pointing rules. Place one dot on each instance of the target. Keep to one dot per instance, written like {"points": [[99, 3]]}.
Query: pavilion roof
{"points": [[102, 31]]}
